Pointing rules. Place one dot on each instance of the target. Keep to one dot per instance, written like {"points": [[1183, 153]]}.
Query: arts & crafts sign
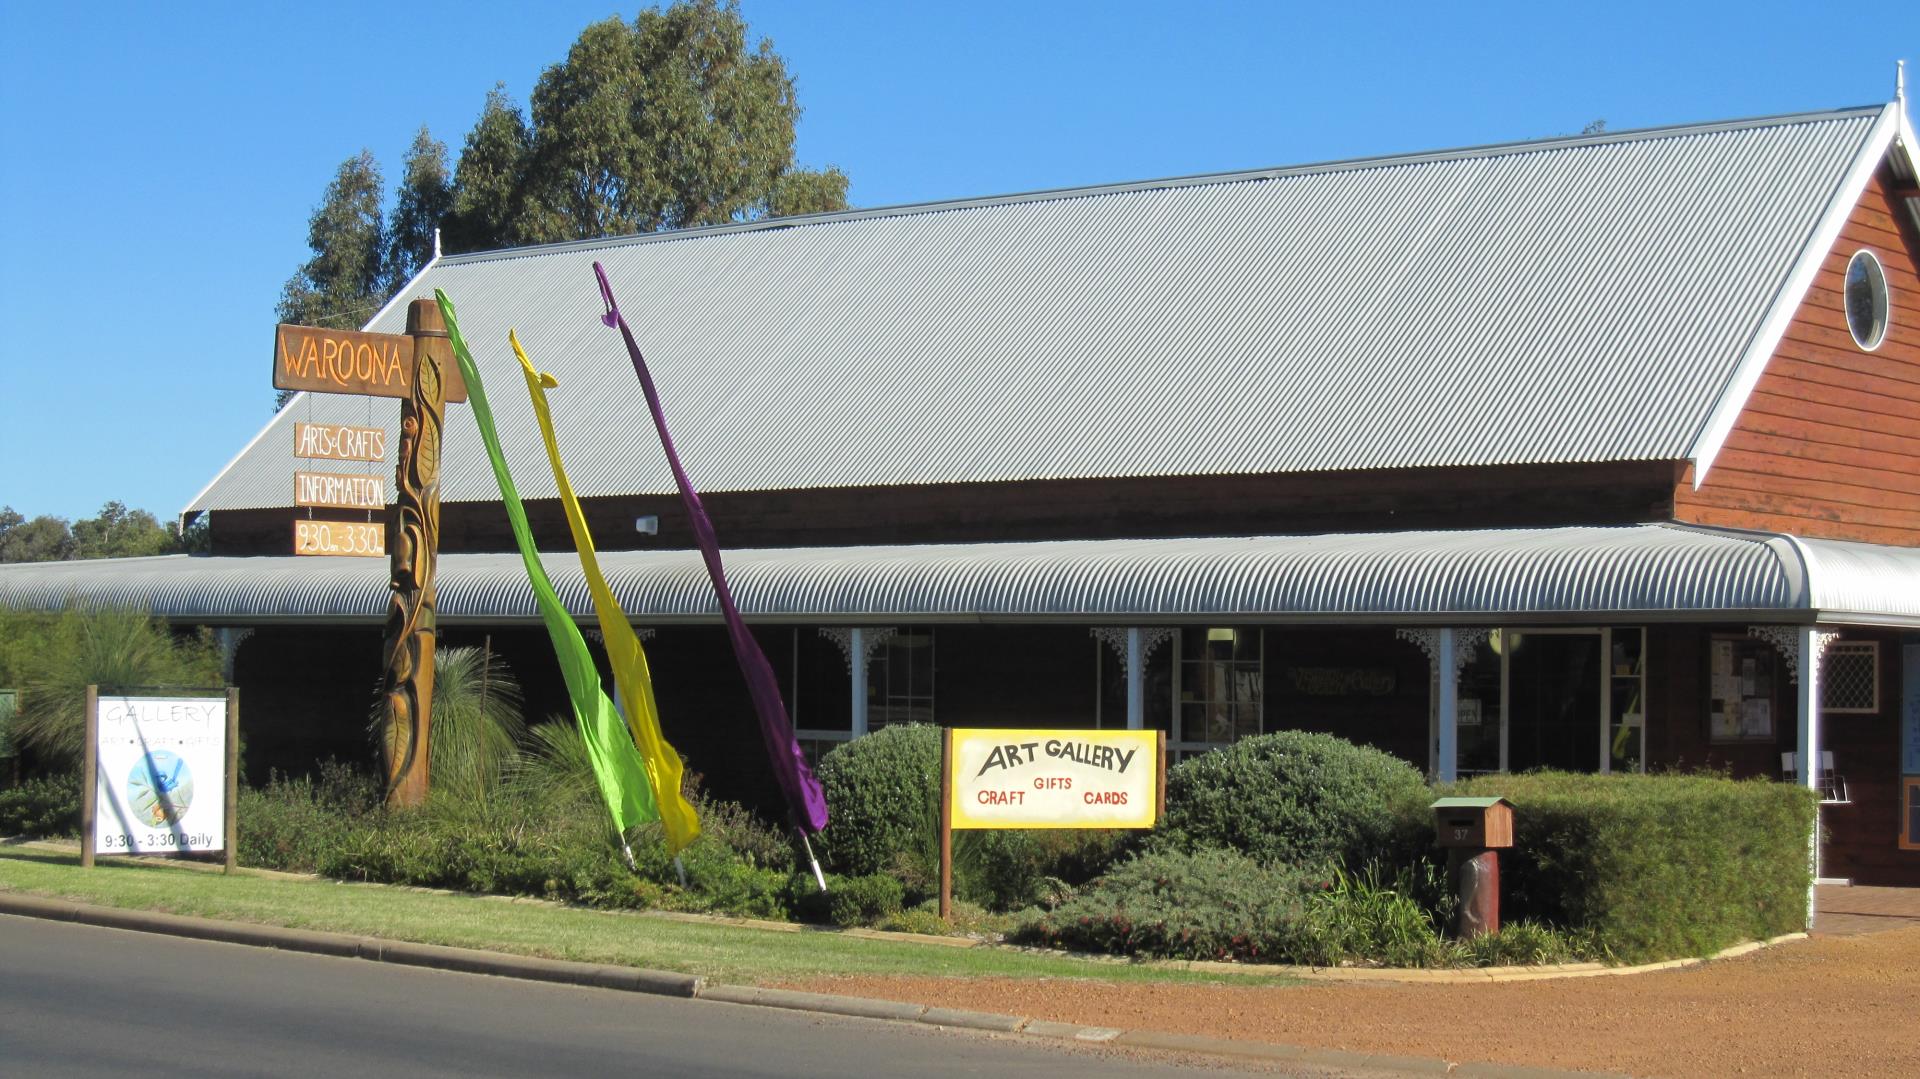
{"points": [[160, 774], [1054, 778]]}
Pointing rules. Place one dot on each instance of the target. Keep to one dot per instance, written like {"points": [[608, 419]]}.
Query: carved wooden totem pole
{"points": [[407, 686]]}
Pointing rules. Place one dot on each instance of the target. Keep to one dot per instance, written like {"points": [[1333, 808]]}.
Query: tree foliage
{"points": [[116, 532], [344, 282], [676, 120], [425, 200]]}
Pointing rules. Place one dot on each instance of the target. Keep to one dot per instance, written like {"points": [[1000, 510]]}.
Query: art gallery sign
{"points": [[994, 778], [164, 774]]}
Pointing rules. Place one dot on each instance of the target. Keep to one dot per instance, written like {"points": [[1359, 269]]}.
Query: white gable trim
{"points": [[1713, 435]]}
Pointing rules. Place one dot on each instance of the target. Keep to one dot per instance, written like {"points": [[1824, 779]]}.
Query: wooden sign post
{"points": [[412, 612], [418, 369]]}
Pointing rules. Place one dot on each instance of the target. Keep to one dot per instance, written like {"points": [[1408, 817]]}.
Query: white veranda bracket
{"points": [[871, 638], [1115, 637], [230, 638], [1465, 642], [1786, 641]]}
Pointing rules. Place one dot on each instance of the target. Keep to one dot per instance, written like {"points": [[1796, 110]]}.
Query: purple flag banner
{"points": [[805, 802]]}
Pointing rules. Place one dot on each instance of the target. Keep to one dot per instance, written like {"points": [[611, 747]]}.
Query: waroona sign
{"points": [[350, 361], [1054, 778]]}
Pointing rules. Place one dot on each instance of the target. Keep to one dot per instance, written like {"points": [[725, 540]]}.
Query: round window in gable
{"points": [[1866, 300]]}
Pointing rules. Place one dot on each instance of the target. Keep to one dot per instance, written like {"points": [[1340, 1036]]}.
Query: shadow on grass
{"points": [[12, 851]]}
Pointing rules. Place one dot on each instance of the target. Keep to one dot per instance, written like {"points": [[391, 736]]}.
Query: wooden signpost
{"points": [[417, 368]]}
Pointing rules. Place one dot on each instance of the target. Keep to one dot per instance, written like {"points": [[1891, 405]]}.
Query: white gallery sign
{"points": [[160, 775]]}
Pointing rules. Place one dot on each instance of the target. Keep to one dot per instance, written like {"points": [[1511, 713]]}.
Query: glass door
{"points": [[1556, 696]]}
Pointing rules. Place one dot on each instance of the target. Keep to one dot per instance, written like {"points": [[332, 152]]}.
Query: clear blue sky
{"points": [[158, 162]]}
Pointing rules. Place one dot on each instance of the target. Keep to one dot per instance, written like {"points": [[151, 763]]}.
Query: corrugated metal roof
{"points": [[1576, 299], [1554, 574]]}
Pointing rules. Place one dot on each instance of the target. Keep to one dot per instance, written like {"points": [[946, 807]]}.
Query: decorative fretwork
{"points": [[1465, 641], [871, 638], [1115, 637], [1786, 641], [230, 639]]}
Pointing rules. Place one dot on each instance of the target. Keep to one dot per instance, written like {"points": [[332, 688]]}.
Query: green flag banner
{"points": [[616, 762], [624, 651]]}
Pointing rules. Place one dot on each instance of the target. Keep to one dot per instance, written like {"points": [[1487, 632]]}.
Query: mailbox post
{"points": [[1473, 830]]}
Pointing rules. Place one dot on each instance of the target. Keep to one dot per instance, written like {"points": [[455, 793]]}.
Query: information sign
{"points": [[160, 774], [346, 539], [339, 490]]}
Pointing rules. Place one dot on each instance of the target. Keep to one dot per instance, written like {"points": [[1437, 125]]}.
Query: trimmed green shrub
{"points": [[881, 793], [1655, 866], [864, 900], [42, 806], [1292, 798], [1202, 904]]}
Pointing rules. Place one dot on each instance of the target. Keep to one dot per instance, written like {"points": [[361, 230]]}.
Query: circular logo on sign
{"points": [[160, 788]]}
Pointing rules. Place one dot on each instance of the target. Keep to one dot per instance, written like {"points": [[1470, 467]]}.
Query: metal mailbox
{"points": [[1473, 823]]}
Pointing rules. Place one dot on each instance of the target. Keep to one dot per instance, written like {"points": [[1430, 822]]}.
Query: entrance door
{"points": [[1554, 699]]}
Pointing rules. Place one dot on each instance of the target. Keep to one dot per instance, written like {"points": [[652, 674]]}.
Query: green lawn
{"points": [[725, 953]]}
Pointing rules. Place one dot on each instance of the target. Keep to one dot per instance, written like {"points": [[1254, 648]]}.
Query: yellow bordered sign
{"points": [[1054, 778]]}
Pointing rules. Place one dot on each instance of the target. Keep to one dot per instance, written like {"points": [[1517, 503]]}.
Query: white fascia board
{"points": [[291, 401], [1713, 434]]}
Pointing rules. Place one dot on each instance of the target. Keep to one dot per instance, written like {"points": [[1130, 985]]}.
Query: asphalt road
{"points": [[84, 1001]]}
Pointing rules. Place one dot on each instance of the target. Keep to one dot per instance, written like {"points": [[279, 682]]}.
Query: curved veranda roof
{"points": [[1643, 573]]}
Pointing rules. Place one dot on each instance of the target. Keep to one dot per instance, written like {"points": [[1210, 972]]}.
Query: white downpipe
{"points": [[1446, 680], [857, 663], [1807, 748]]}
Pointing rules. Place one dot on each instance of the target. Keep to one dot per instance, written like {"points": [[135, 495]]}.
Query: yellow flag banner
{"points": [[629, 660]]}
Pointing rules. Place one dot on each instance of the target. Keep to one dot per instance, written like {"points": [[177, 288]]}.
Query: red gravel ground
{"points": [[1829, 1006]]}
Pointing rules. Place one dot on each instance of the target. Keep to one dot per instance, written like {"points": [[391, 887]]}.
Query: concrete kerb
{"points": [[666, 983]]}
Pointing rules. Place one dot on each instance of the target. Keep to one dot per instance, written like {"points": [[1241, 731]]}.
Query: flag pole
{"points": [[819, 878]]}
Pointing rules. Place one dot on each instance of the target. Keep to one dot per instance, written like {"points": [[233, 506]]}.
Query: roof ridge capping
{"points": [[1352, 164]]}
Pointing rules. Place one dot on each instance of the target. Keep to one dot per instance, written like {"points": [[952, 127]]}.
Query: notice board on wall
{"points": [[1741, 704]]}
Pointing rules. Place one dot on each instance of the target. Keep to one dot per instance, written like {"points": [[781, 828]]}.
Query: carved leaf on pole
{"points": [[412, 619]]}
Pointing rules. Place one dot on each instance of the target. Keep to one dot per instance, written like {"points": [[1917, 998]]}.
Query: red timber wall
{"points": [[1829, 443]]}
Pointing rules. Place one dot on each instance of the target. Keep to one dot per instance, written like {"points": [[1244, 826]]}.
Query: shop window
{"points": [[819, 696], [1850, 678], [900, 679], [1220, 686]]}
